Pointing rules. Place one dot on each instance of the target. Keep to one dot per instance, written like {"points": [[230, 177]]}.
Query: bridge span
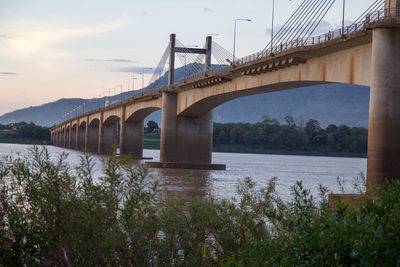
{"points": [[368, 54]]}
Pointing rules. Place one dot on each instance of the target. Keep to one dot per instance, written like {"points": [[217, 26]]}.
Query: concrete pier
{"points": [[74, 137], [132, 139], [384, 113], [93, 136], [81, 144], [109, 139], [186, 142]]}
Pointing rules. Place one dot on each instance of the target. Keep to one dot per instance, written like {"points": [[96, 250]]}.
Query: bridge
{"points": [[365, 53]]}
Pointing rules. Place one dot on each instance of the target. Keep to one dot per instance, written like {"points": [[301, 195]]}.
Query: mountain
{"points": [[328, 103]]}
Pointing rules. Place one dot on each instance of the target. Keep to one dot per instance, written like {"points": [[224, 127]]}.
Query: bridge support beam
{"points": [[132, 139], [74, 137], [81, 137], [109, 136], [384, 116], [185, 142], [92, 139]]}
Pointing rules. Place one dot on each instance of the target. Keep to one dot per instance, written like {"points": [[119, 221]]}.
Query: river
{"points": [[311, 170]]}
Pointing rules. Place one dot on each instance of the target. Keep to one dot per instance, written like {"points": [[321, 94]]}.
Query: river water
{"points": [[311, 170]]}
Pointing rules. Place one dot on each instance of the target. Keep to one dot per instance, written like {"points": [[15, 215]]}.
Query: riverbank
{"points": [[152, 141], [23, 141]]}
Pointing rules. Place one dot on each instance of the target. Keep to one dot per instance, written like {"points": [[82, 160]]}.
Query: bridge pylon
{"points": [[186, 142]]}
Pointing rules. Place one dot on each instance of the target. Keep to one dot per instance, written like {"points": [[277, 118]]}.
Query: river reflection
{"points": [[261, 168]]}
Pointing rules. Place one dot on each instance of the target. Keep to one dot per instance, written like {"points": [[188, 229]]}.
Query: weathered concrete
{"points": [[93, 136], [384, 116], [109, 138], [168, 136], [81, 144], [74, 137], [132, 139], [184, 139]]}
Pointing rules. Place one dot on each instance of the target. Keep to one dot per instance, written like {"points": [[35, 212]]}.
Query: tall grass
{"points": [[54, 215]]}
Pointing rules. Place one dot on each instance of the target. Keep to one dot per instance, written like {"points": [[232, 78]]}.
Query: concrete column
{"points": [[207, 64], [168, 137], [171, 70], [92, 138], [195, 139], [109, 139], [100, 134], [86, 133], [69, 139], [132, 142], [81, 139], [384, 114], [122, 131], [64, 143], [392, 7], [76, 141], [184, 139]]}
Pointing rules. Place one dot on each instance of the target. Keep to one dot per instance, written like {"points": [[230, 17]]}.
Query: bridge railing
{"points": [[308, 41], [315, 40]]}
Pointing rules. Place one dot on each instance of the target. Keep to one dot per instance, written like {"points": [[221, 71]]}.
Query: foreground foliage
{"points": [[52, 215]]}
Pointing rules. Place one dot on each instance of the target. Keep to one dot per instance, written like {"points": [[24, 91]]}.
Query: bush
{"points": [[52, 215]]}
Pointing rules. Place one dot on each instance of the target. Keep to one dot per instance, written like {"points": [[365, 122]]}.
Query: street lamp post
{"points": [[234, 38], [272, 25], [344, 6], [133, 81], [143, 75]]}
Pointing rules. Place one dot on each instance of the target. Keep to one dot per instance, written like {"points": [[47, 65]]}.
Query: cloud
{"points": [[209, 10], [118, 60], [135, 69], [26, 37], [7, 73]]}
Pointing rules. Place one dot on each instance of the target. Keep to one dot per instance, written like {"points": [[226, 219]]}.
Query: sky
{"points": [[52, 49]]}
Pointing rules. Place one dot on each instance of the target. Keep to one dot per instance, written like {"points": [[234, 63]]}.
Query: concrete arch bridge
{"points": [[367, 54]]}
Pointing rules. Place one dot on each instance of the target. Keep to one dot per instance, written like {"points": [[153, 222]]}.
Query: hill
{"points": [[328, 103]]}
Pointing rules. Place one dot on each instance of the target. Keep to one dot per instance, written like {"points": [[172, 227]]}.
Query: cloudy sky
{"points": [[52, 49]]}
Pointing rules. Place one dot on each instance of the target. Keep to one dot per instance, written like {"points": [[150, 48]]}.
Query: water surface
{"points": [[311, 170]]}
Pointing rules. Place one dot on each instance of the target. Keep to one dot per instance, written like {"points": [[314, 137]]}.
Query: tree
{"points": [[151, 126]]}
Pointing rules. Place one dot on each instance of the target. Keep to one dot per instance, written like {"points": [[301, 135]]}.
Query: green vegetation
{"points": [[269, 136], [24, 133], [54, 215]]}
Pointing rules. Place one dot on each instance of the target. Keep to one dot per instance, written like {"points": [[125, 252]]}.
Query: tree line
{"points": [[24, 130], [270, 134]]}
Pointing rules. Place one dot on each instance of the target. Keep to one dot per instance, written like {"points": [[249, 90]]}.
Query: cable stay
{"points": [[154, 82]]}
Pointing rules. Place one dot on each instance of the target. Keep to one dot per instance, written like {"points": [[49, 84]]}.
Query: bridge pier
{"points": [[132, 139], [108, 137], [74, 137], [81, 136], [186, 142], [92, 139], [384, 117]]}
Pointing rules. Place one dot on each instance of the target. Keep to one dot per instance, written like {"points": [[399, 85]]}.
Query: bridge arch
{"points": [[348, 65], [202, 105], [133, 129]]}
